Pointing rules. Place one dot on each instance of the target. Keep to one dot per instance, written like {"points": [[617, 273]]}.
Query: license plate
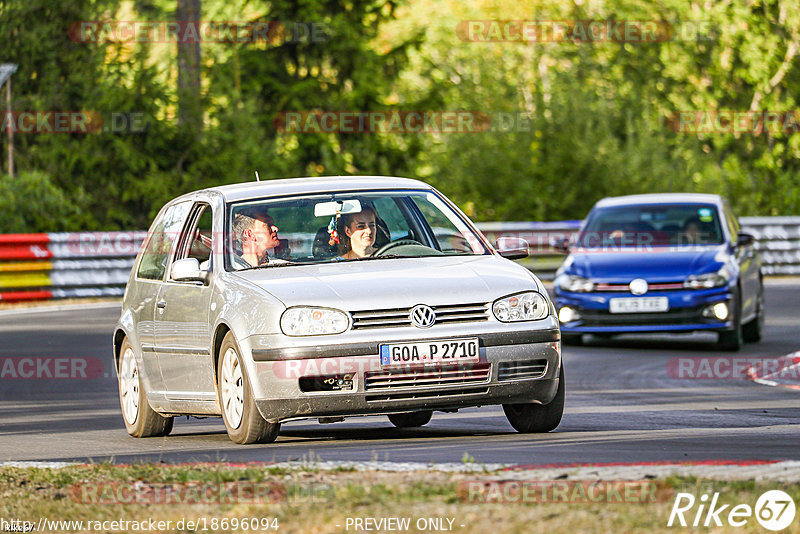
{"points": [[426, 352], [639, 305]]}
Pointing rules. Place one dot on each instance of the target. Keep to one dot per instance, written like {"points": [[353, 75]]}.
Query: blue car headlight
{"points": [[708, 280], [528, 306], [571, 282]]}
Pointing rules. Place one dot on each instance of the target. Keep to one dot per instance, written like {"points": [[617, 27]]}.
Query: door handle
{"points": [[161, 304]]}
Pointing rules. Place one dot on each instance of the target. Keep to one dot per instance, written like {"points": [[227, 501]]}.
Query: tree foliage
{"points": [[602, 113], [597, 115]]}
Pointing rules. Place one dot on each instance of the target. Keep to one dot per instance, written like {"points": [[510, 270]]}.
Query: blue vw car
{"points": [[661, 263]]}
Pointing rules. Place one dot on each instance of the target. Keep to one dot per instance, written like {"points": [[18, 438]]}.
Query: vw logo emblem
{"points": [[638, 286], [422, 316]]}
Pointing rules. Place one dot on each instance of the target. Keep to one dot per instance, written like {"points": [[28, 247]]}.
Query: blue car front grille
{"points": [[675, 316]]}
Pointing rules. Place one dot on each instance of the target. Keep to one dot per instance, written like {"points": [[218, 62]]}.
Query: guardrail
{"points": [[97, 264], [66, 265], [778, 239]]}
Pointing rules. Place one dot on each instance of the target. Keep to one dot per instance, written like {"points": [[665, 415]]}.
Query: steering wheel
{"points": [[392, 244]]}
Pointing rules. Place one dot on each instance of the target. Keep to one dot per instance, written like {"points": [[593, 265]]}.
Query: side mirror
{"points": [[512, 248], [744, 240], [560, 244], [188, 270]]}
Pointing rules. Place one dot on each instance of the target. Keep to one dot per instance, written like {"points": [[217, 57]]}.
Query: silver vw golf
{"points": [[331, 297]]}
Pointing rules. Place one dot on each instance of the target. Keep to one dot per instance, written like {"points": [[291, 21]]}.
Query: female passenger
{"points": [[357, 233]]}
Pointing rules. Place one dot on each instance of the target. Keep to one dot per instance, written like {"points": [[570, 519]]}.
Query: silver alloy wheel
{"points": [[232, 388], [129, 386]]}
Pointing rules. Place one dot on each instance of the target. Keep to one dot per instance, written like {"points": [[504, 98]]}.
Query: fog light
{"points": [[567, 315], [717, 311], [326, 383]]}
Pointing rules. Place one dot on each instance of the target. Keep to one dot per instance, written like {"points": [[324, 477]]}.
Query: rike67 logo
{"points": [[774, 510]]}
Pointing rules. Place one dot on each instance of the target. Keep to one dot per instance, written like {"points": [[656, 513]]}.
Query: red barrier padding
{"points": [[24, 239], [30, 252], [15, 296]]}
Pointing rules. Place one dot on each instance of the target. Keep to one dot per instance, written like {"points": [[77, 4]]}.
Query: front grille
{"points": [[465, 392], [654, 286], [392, 317], [450, 375], [522, 369]]}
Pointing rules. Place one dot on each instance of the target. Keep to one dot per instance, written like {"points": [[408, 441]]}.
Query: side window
{"points": [[451, 234], [733, 224], [159, 241], [196, 242], [395, 221]]}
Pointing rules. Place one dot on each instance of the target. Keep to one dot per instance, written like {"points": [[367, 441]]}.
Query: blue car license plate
{"points": [[638, 305]]}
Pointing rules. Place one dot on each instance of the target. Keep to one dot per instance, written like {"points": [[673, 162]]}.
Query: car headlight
{"points": [[308, 321], [567, 315], [570, 282], [529, 306], [708, 280]]}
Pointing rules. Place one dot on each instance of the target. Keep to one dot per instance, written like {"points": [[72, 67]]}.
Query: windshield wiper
{"points": [[383, 257], [367, 258], [283, 263]]}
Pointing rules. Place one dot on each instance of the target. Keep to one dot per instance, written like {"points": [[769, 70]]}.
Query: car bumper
{"points": [[685, 312], [514, 372]]}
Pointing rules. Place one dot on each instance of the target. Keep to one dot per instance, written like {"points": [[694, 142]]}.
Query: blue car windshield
{"points": [[652, 225]]}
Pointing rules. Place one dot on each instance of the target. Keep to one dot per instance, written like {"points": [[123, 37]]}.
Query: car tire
{"points": [[243, 421], [572, 339], [732, 340], [141, 421], [411, 419], [752, 331], [535, 418]]}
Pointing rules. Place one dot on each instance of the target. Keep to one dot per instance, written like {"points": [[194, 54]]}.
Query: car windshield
{"points": [[649, 224], [346, 227]]}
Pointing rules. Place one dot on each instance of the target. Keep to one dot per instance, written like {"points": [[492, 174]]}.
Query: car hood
{"points": [[669, 264], [394, 283]]}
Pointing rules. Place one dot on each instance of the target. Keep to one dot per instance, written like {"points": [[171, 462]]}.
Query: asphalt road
{"points": [[625, 403]]}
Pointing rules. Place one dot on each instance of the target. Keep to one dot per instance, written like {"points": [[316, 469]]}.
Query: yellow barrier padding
{"points": [[15, 280], [27, 266]]}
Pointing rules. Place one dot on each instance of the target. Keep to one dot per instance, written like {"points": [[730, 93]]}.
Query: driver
{"points": [[254, 234], [693, 231], [357, 233]]}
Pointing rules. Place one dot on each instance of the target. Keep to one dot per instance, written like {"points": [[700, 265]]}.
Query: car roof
{"points": [[321, 184], [660, 198]]}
